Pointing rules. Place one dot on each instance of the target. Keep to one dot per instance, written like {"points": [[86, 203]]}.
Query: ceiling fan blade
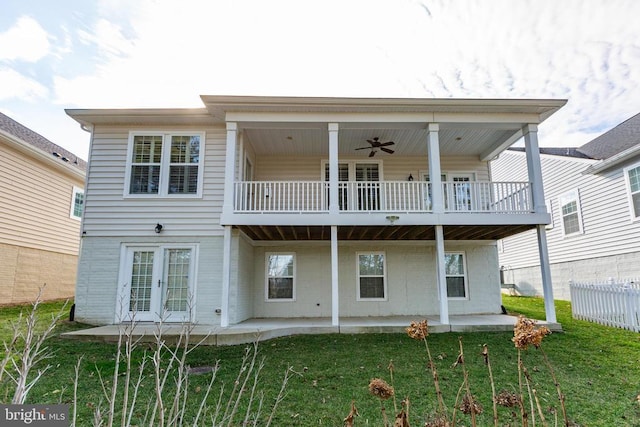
{"points": [[364, 148], [386, 144], [372, 153], [386, 150]]}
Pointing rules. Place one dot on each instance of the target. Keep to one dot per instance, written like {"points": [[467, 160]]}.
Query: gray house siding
{"points": [[609, 244]]}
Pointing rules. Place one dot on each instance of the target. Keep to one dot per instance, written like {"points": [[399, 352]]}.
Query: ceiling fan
{"points": [[375, 144]]}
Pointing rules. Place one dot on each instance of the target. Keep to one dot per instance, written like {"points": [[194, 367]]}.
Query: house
{"points": [[296, 207], [593, 195], [41, 200]]}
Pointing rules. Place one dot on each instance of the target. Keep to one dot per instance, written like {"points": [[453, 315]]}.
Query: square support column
{"points": [[534, 169], [545, 270], [335, 295], [230, 168], [334, 206], [441, 277], [226, 276], [435, 172]]}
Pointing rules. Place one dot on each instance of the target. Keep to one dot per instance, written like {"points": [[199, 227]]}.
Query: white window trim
{"points": [[351, 164], [384, 275], [465, 276], [74, 192], [163, 191], [571, 195], [549, 203], [629, 193], [266, 277], [122, 307]]}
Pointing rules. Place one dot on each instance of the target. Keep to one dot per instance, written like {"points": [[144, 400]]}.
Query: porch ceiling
{"points": [[397, 232], [409, 141]]}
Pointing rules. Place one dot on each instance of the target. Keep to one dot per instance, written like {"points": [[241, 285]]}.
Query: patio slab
{"points": [[252, 330]]}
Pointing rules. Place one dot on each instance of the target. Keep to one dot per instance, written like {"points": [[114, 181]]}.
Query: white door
{"points": [[459, 192], [158, 283]]}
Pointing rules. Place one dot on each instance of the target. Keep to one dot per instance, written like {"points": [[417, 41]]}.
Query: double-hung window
{"points": [[456, 275], [281, 273], [571, 214], [632, 177], [371, 276], [164, 164], [77, 203]]}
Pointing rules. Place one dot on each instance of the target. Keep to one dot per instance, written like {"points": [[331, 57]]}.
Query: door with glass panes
{"points": [[362, 195], [158, 283]]}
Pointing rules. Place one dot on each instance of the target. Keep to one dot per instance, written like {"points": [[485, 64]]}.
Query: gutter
{"points": [[612, 161]]}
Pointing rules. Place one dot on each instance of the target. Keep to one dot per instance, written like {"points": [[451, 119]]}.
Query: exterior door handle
{"points": [[159, 282]]}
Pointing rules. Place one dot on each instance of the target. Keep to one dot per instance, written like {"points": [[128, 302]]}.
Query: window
{"points": [[570, 210], [632, 176], [164, 164], [371, 276], [281, 271], [456, 275], [77, 203]]}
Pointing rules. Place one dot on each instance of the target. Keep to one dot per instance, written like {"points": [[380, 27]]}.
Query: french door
{"points": [[158, 283]]}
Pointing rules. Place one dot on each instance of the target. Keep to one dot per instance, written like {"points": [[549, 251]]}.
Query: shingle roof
{"points": [[616, 140], [25, 134]]}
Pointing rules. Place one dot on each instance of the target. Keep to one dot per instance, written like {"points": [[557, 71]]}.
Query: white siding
{"points": [[108, 213], [410, 281], [98, 272], [609, 235], [245, 279], [605, 212], [273, 168]]}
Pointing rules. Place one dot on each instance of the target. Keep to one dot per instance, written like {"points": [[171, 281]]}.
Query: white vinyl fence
{"points": [[611, 303]]}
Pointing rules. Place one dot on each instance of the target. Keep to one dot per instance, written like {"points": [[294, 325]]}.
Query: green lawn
{"points": [[598, 369]]}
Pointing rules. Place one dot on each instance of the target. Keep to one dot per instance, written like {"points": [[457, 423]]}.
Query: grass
{"points": [[598, 369]]}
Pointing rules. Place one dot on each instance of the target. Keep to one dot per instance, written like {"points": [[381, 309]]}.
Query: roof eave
{"points": [[612, 161]]}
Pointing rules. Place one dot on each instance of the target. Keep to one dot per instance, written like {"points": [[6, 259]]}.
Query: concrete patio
{"points": [[264, 329]]}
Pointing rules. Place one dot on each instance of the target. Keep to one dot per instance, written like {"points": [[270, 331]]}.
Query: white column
{"points": [[433, 151], [534, 169], [335, 297], [441, 277], [226, 276], [545, 269], [230, 168], [333, 169]]}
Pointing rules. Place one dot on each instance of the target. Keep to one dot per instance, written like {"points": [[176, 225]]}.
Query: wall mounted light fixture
{"points": [[158, 228], [392, 218], [410, 177]]}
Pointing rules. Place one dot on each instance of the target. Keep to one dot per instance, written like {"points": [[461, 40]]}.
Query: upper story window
{"points": [[571, 213], [77, 203], [164, 164], [456, 275], [632, 177]]}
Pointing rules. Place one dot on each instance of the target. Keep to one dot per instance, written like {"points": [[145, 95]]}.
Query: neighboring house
{"points": [[593, 194], [279, 207], [41, 201]]}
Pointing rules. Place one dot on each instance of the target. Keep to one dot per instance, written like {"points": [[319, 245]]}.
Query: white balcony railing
{"points": [[381, 196]]}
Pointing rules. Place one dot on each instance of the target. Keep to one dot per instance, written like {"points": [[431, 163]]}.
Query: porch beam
{"points": [[433, 151], [545, 270], [335, 295], [441, 278]]}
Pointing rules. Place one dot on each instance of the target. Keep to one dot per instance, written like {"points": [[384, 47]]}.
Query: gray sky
{"points": [[165, 53]]}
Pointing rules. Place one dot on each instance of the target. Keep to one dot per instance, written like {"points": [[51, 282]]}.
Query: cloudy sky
{"points": [[165, 53]]}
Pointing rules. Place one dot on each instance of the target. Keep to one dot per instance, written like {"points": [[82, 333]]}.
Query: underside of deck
{"points": [[385, 232], [264, 329]]}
